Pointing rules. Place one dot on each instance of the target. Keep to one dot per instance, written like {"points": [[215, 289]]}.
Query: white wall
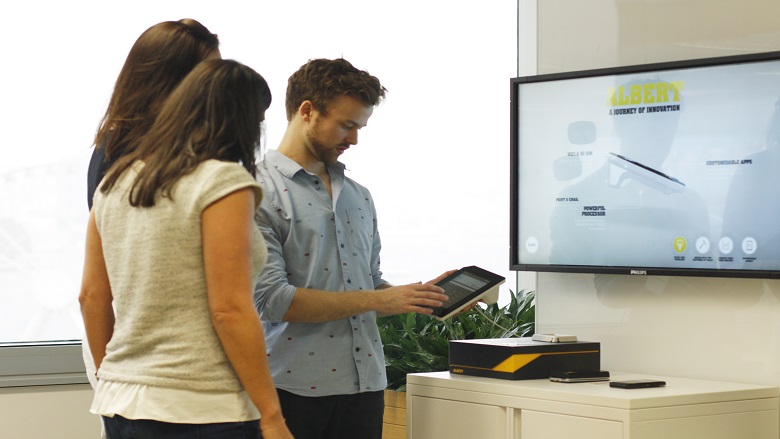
{"points": [[46, 412], [710, 328]]}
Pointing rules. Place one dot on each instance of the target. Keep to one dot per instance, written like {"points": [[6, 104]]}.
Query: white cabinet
{"points": [[533, 424], [444, 406], [442, 418]]}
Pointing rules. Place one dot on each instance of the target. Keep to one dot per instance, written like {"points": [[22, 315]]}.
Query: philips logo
{"points": [[642, 272]]}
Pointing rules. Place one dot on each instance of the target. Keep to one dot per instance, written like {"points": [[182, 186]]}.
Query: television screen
{"points": [[661, 169]]}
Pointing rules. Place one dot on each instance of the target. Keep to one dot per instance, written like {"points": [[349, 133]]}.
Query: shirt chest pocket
{"points": [[360, 228]]}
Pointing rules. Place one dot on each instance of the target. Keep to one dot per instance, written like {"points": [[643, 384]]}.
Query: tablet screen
{"points": [[464, 287]]}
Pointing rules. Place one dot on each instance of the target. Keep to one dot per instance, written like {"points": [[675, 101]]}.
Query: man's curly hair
{"points": [[322, 80]]}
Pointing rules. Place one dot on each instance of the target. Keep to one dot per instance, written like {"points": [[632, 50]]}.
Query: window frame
{"points": [[42, 364]]}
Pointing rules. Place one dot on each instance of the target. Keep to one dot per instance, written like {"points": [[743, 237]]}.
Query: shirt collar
{"points": [[289, 167]]}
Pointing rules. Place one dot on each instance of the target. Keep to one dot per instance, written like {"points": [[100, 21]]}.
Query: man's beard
{"points": [[319, 150]]}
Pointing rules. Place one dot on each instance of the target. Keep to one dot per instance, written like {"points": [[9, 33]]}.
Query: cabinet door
{"points": [[432, 418], [542, 425], [750, 424]]}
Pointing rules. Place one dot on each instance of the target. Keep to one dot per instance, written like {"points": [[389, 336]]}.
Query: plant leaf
{"points": [[420, 343]]}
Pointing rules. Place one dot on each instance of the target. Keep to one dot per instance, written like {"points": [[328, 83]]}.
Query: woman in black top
{"points": [[161, 57]]}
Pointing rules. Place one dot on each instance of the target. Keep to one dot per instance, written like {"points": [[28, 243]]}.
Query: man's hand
{"points": [[418, 297]]}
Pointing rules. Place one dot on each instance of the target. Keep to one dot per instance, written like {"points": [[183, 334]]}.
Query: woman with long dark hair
{"points": [[159, 59], [172, 256], [157, 62]]}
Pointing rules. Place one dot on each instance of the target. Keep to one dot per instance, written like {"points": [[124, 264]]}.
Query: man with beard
{"points": [[322, 288]]}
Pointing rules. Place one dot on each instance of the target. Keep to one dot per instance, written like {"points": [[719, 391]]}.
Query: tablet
{"points": [[466, 286], [647, 175]]}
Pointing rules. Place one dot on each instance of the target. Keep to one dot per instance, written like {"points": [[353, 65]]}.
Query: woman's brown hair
{"points": [[215, 113], [159, 59]]}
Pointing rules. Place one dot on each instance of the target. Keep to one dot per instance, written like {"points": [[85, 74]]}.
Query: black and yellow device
{"points": [[521, 358]]}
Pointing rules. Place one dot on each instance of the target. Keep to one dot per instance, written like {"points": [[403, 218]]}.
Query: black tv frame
{"points": [[514, 244]]}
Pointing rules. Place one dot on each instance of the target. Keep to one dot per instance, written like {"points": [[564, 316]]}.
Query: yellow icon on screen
{"points": [[680, 244]]}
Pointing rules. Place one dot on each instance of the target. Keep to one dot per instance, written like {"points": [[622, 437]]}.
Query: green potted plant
{"points": [[419, 343]]}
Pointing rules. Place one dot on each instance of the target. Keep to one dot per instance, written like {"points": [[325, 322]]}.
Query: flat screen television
{"points": [[659, 169]]}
